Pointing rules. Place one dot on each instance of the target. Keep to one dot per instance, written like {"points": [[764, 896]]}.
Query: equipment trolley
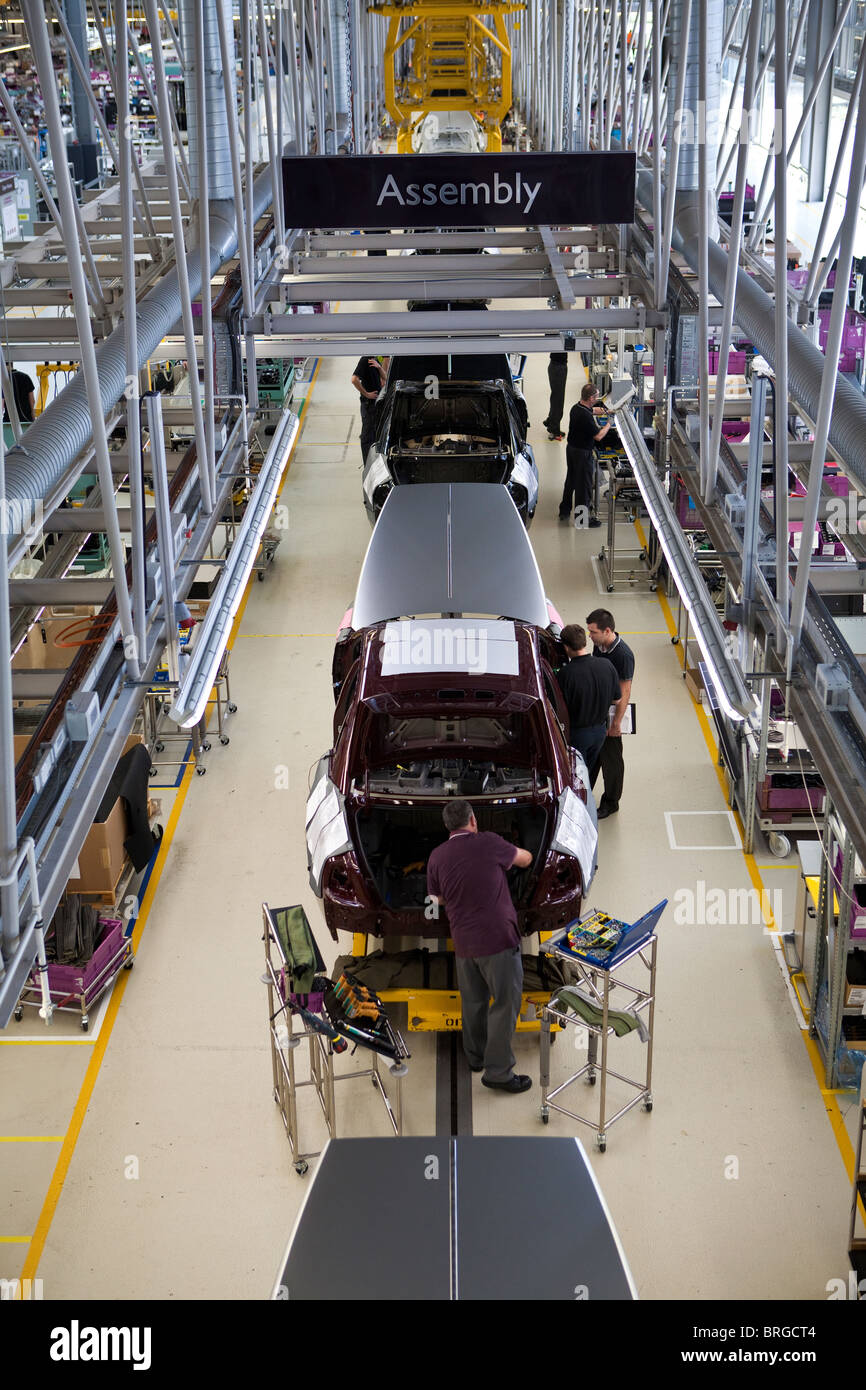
{"points": [[76, 988], [619, 565], [594, 982], [297, 988]]}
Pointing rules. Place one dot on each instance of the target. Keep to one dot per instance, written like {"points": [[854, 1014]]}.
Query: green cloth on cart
{"points": [[299, 947], [622, 1021]]}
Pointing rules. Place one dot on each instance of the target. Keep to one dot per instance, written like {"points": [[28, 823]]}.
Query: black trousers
{"points": [[611, 765], [579, 479], [369, 421], [557, 372], [589, 743]]}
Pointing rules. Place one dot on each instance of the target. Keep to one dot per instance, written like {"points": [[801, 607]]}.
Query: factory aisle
{"points": [[180, 1184]]}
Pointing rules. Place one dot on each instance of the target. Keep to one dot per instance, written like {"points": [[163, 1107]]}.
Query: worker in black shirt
{"points": [[370, 376], [589, 688], [584, 432], [608, 643], [25, 397], [557, 373]]}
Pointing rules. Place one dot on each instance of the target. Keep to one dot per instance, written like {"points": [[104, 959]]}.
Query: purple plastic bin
{"points": [[79, 979]]}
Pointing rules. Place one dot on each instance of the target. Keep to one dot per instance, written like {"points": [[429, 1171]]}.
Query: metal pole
{"points": [[38, 32], [8, 814], [736, 240], [830, 374], [273, 152], [664, 251], [207, 463], [703, 255], [130, 322], [780, 395], [639, 68], [809, 293], [660, 295], [764, 202], [165, 540], [180, 258], [227, 51]]}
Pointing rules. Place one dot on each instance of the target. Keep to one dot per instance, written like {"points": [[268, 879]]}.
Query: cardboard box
{"points": [[695, 684], [102, 856], [40, 651]]}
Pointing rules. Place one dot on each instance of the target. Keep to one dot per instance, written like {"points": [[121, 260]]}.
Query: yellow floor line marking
{"points": [[49, 1206], [831, 1103], [31, 1138], [15, 1240], [47, 1042]]}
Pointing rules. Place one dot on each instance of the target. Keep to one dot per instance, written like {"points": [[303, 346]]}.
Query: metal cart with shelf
{"points": [[621, 565], [292, 1024], [596, 982]]}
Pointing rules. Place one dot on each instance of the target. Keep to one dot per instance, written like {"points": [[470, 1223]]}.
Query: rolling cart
{"points": [[587, 1004], [298, 990], [621, 565], [76, 988]]}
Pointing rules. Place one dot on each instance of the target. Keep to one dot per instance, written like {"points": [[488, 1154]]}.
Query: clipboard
{"points": [[629, 719]]}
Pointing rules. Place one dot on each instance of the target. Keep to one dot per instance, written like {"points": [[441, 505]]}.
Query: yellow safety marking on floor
{"points": [[47, 1042], [100, 1046], [31, 1138], [15, 1240], [831, 1103]]}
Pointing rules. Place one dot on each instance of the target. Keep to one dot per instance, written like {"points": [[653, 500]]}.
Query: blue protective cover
{"points": [[631, 937]]}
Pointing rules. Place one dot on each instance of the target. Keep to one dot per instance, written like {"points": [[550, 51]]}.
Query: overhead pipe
{"points": [[58, 435]]}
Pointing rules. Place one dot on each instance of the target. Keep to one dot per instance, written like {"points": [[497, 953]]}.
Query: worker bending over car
{"points": [[467, 875]]}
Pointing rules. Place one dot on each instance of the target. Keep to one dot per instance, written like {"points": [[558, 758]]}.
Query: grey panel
{"points": [[516, 1195], [374, 1225], [449, 548]]}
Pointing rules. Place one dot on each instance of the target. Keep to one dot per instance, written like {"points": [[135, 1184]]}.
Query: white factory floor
{"points": [[149, 1161]]}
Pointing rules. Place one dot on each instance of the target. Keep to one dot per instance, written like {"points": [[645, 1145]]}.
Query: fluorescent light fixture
{"points": [[192, 695], [735, 699]]}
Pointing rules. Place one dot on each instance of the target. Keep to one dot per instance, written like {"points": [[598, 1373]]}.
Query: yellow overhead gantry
{"points": [[441, 55]]}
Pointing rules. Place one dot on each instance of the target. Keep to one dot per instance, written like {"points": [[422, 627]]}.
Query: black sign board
{"points": [[447, 190]]}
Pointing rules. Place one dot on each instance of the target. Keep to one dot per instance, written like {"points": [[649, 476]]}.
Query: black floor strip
{"points": [[453, 1086]]}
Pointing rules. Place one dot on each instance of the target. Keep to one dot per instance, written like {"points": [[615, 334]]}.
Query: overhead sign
{"points": [[447, 190]]}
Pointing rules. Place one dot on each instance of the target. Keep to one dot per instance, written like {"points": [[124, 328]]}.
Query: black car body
{"points": [[451, 420]]}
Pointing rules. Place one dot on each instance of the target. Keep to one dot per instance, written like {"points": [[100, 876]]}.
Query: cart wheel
{"points": [[19, 1014], [591, 1079], [642, 555], [130, 963], [200, 771], [85, 1024], [648, 1104], [302, 1166], [224, 739], [205, 748], [152, 772], [600, 555], [653, 588], [601, 1143], [232, 708], [160, 747], [780, 846], [675, 641], [545, 1119], [610, 588], [261, 576]]}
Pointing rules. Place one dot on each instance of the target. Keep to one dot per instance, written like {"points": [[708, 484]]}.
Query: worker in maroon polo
{"points": [[466, 874]]}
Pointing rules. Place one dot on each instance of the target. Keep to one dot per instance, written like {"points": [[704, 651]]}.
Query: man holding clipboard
{"points": [[608, 643]]}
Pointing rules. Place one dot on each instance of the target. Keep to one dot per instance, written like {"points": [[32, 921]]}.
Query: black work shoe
{"points": [[474, 1069], [513, 1087], [605, 811], [565, 516], [593, 521]]}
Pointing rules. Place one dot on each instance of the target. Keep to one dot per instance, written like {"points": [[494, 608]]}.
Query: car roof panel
{"points": [[449, 548]]}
